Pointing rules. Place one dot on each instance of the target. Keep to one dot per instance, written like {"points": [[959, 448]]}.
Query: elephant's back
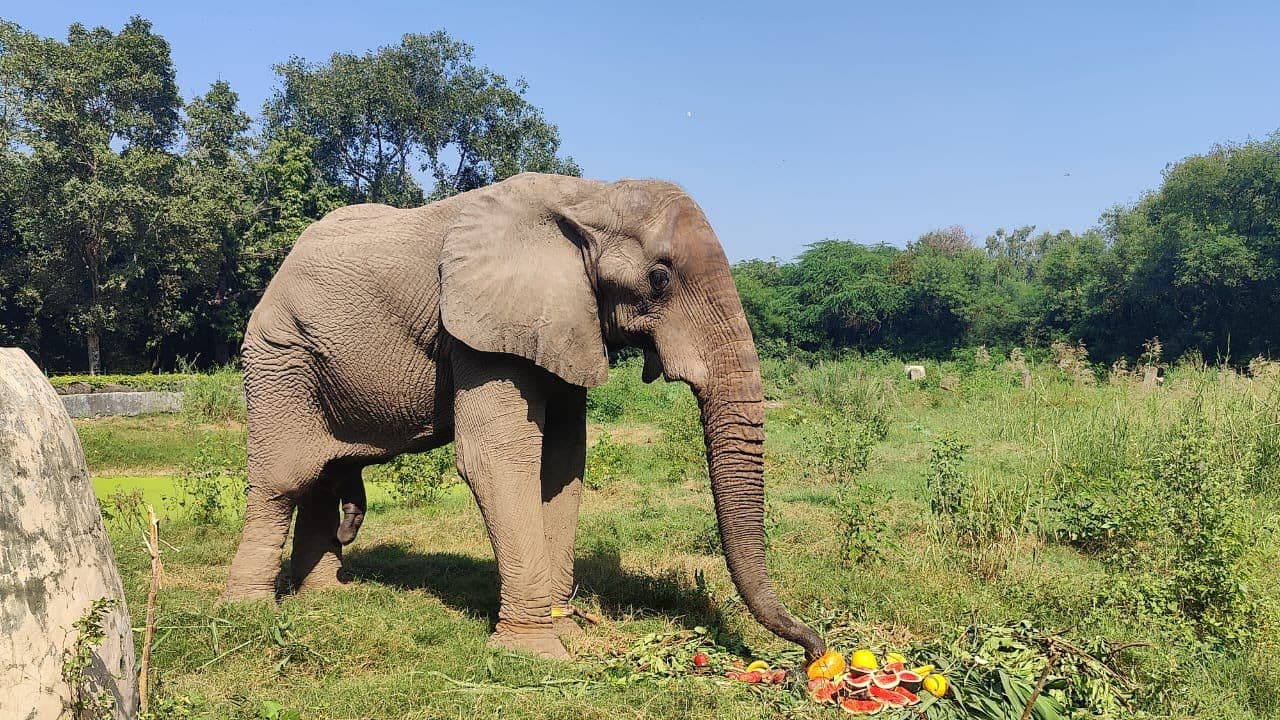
{"points": [[361, 273]]}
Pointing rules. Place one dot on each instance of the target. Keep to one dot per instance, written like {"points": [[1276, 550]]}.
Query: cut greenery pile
{"points": [[987, 672]]}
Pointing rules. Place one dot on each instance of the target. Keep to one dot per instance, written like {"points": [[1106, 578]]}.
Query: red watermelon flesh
{"points": [[910, 680], [858, 681], [911, 697], [824, 691], [861, 707], [888, 697], [895, 667], [885, 679]]}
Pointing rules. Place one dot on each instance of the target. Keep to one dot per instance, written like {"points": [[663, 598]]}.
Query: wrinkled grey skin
{"points": [[482, 319]]}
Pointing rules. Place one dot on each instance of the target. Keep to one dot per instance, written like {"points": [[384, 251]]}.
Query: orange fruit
{"points": [[829, 666]]}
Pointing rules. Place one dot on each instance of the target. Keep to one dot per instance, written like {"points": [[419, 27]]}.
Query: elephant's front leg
{"points": [[499, 410], [564, 453]]}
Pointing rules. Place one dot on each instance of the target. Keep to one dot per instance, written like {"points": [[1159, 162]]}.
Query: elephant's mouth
{"points": [[652, 366]]}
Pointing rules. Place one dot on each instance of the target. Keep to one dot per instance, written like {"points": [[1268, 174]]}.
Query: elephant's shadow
{"points": [[470, 584]]}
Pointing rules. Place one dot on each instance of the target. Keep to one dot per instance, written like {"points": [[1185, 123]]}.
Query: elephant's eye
{"points": [[659, 278]]}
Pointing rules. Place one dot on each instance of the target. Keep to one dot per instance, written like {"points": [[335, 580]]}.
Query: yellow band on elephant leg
{"points": [[558, 611]]}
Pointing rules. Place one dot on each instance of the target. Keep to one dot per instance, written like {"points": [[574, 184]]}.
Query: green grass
{"points": [[148, 445], [154, 488], [406, 638]]}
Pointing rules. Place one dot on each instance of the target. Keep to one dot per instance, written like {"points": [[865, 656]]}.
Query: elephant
{"points": [[482, 319]]}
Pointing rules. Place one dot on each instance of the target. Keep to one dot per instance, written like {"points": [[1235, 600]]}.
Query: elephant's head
{"points": [[554, 268]]}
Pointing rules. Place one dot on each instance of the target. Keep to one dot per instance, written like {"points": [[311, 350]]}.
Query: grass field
{"points": [[1102, 511]]}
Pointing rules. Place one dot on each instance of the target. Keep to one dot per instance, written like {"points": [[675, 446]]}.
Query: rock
{"points": [[914, 372], [55, 559], [121, 403], [75, 388]]}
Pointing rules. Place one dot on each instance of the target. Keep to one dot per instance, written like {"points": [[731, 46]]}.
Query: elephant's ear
{"points": [[513, 279]]}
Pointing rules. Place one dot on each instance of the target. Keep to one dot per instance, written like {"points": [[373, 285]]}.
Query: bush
{"points": [[833, 445], [981, 516], [844, 389], [211, 487], [417, 479], [142, 382], [626, 395], [215, 397], [1171, 516], [125, 510], [682, 448], [607, 462], [862, 530]]}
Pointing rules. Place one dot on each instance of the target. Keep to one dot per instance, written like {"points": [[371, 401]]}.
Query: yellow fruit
{"points": [[923, 671], [829, 666], [893, 657], [758, 665], [937, 684], [864, 659]]}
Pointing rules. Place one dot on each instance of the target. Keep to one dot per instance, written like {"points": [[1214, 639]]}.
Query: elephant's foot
{"points": [[541, 642], [326, 573], [243, 592], [566, 627]]}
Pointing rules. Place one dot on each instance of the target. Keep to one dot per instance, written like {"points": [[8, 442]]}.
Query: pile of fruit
{"points": [[863, 686]]}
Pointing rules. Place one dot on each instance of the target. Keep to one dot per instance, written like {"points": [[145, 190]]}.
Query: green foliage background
{"points": [[139, 229]]}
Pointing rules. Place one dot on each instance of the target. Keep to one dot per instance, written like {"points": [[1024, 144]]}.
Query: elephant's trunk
{"points": [[733, 422]]}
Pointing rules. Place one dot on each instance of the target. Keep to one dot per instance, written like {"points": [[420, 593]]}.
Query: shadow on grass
{"points": [[470, 585]]}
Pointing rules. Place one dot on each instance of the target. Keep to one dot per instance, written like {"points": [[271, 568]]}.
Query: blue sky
{"points": [[871, 122]]}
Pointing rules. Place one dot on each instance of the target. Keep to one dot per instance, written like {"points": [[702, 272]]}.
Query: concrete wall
{"points": [[121, 403]]}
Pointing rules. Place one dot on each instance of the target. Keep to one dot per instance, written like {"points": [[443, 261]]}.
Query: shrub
{"points": [[975, 511], [140, 382], [1209, 532], [211, 487], [607, 462], [89, 701], [835, 446], [417, 479], [862, 530], [125, 509], [214, 397], [682, 448], [1169, 513]]}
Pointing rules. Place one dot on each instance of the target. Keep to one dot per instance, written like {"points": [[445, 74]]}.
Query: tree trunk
{"points": [[95, 352]]}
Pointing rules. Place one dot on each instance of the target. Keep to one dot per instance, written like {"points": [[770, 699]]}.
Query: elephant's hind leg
{"points": [[498, 416], [257, 561], [316, 560], [287, 447]]}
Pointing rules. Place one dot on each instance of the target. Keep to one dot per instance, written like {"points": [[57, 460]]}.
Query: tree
{"points": [[222, 201], [419, 105], [98, 113]]}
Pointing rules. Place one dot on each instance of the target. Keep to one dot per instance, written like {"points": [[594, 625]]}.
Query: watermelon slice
{"points": [[861, 707], [896, 667], [858, 682], [823, 690], [911, 697], [891, 698], [910, 680], [885, 679]]}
